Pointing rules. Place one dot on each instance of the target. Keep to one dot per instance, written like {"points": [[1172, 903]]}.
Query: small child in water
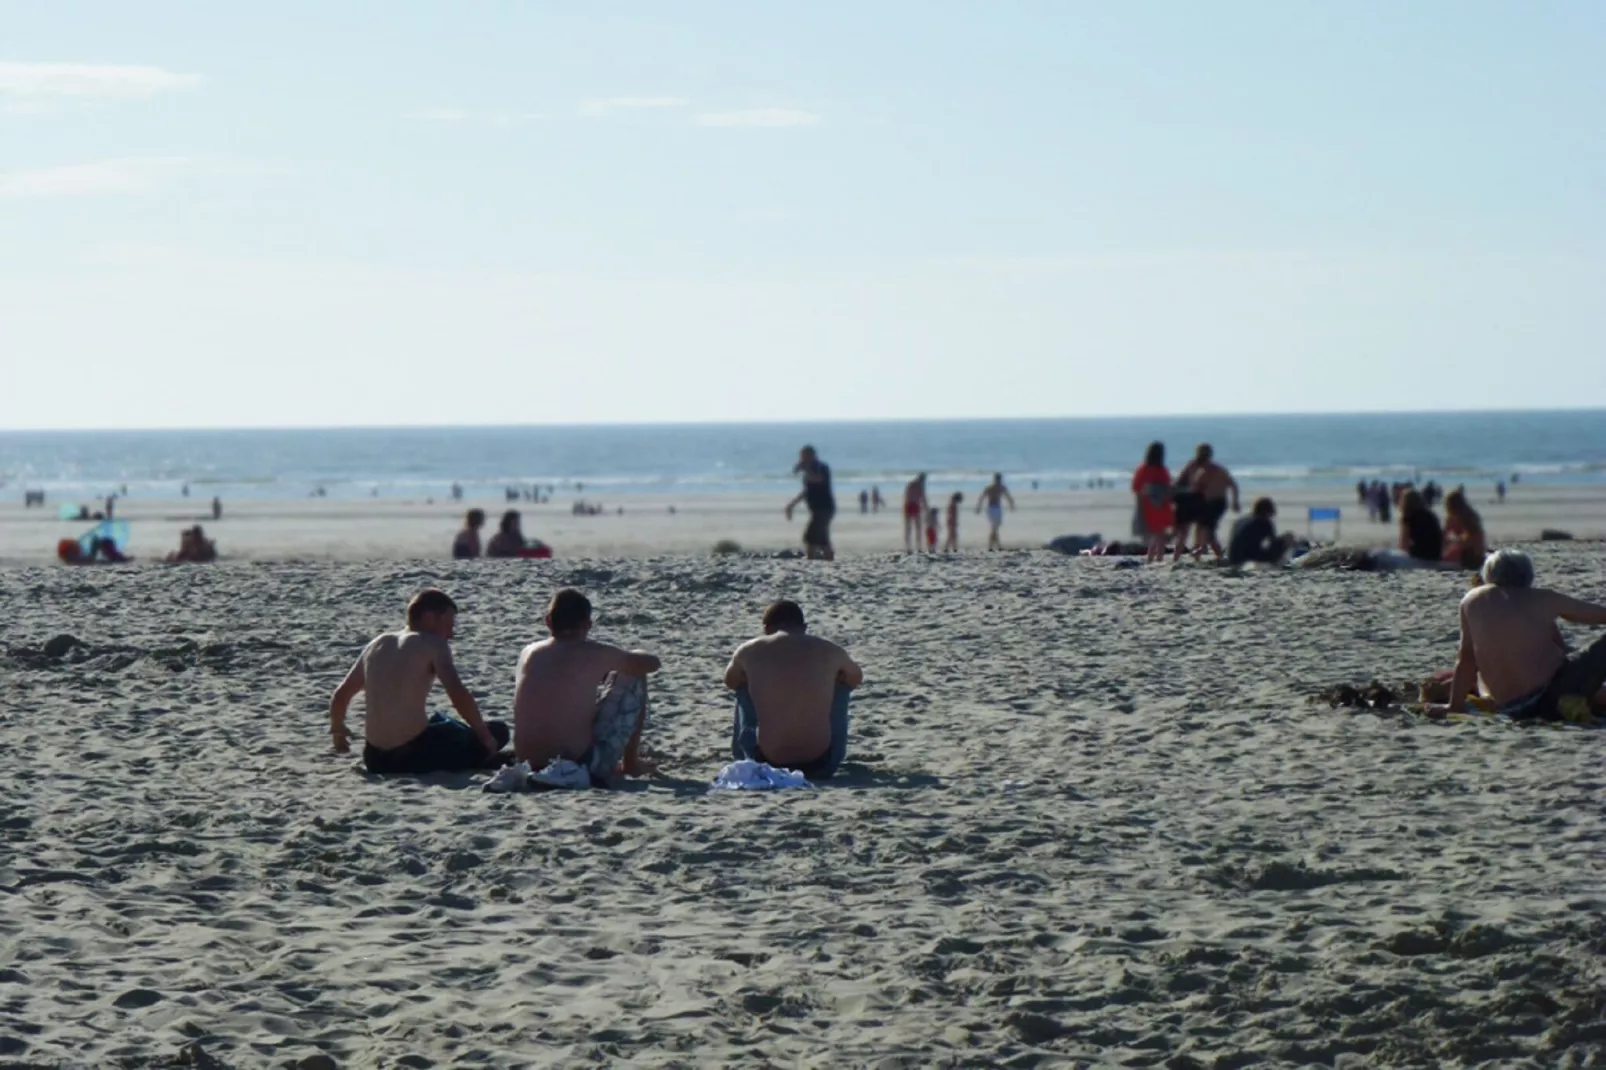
{"points": [[932, 517], [951, 544]]}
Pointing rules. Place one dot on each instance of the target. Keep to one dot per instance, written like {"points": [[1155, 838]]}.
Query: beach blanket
{"points": [[749, 775]]}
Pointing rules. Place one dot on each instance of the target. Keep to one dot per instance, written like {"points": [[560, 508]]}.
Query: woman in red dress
{"points": [[1151, 485]]}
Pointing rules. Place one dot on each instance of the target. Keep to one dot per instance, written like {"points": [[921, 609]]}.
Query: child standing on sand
{"points": [[951, 544], [932, 518]]}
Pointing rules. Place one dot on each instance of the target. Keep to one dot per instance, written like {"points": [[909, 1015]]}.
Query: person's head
{"points": [[998, 479], [957, 498], [432, 610], [921, 479], [1264, 509], [569, 614], [784, 616], [1205, 453], [805, 458], [1508, 568], [475, 519], [1411, 502], [1455, 503], [1156, 453], [510, 522]]}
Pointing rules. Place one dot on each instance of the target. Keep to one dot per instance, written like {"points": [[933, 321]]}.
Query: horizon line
{"points": [[823, 421]]}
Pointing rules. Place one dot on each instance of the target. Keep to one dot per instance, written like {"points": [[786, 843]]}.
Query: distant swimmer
{"points": [[993, 497], [792, 695], [217, 508], [1209, 485], [914, 512], [579, 699], [1511, 646], [395, 675], [818, 498]]}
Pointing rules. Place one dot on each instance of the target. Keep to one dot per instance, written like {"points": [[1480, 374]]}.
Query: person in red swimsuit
{"points": [[914, 513], [1151, 485]]}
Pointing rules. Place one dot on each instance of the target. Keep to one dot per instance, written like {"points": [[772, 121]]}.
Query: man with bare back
{"points": [[915, 508], [579, 699], [395, 675], [993, 498], [1510, 642], [792, 693], [1204, 484]]}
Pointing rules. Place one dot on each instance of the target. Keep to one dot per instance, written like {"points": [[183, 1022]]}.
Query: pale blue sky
{"points": [[317, 213]]}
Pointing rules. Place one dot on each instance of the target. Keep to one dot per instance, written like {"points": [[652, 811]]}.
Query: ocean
{"points": [[1320, 450]]}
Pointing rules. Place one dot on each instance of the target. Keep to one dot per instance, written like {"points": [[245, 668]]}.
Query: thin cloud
{"points": [[467, 117], [769, 118], [125, 175], [85, 80], [603, 106]]}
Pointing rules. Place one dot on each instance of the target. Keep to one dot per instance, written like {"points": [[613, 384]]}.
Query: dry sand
{"points": [[398, 529], [1089, 819]]}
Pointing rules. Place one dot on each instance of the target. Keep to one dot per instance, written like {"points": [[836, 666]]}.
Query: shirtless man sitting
{"points": [[1210, 483], [581, 700], [1510, 642], [395, 674], [792, 692]]}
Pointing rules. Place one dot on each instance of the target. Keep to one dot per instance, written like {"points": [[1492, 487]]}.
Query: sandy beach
{"points": [[401, 529], [1089, 818]]}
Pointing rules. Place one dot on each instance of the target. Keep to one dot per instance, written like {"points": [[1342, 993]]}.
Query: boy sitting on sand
{"points": [[558, 711], [792, 692], [395, 674]]}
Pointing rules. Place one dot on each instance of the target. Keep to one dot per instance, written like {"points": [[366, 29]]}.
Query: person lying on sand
{"points": [[558, 711], [395, 674], [792, 692], [1511, 645]]}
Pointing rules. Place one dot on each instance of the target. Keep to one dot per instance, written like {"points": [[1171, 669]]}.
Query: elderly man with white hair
{"points": [[1510, 642]]}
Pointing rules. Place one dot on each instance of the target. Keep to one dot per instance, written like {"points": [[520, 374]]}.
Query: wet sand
{"points": [[1089, 818]]}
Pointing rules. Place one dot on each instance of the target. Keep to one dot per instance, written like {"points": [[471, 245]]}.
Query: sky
{"points": [[315, 214]]}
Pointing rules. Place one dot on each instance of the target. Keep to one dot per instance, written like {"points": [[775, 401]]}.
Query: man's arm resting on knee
{"points": [[1578, 611], [462, 701], [849, 673], [637, 663], [735, 673], [341, 701]]}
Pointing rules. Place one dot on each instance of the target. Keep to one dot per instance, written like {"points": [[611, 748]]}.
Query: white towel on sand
{"points": [[757, 776], [559, 773]]}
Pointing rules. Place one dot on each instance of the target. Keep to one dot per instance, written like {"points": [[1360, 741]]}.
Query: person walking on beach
{"points": [[1209, 484], [395, 674], [1510, 642], [951, 542], [579, 699], [993, 497], [821, 503], [914, 512], [792, 695], [1151, 486]]}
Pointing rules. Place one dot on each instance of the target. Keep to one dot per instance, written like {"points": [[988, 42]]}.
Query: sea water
{"points": [[1319, 450]]}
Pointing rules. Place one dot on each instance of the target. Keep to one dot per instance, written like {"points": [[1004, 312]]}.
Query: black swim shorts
{"points": [[1212, 513], [818, 533]]}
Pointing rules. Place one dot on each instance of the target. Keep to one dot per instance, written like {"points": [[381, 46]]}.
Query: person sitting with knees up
{"points": [[1255, 538]]}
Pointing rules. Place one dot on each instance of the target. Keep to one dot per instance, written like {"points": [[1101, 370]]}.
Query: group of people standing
{"points": [[1168, 510], [922, 521]]}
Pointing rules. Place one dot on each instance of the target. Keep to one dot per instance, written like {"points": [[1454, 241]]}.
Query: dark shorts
{"points": [[1213, 511], [1582, 675], [818, 533], [446, 745], [1190, 508]]}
